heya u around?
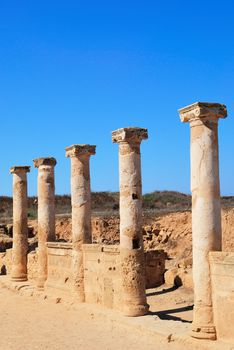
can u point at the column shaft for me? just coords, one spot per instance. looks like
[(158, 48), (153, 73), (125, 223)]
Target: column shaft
[(81, 218), (20, 224), (206, 216), (81, 211), (206, 209), (130, 196), (46, 213), (131, 239), (81, 201)]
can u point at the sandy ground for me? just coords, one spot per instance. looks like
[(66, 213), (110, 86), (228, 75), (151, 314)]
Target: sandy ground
[(31, 323), (171, 303)]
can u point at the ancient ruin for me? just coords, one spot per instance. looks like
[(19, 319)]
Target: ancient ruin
[(131, 241), (206, 209), (20, 217), (81, 211), (46, 213), (116, 276)]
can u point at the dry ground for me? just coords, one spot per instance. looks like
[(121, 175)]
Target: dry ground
[(31, 323), (171, 303)]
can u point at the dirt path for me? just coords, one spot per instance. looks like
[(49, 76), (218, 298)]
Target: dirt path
[(30, 323)]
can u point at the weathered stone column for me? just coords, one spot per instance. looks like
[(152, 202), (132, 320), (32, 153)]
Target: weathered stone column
[(81, 210), (131, 239), (46, 213), (20, 223), (206, 211)]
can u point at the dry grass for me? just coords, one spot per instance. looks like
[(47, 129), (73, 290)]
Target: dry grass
[(107, 204)]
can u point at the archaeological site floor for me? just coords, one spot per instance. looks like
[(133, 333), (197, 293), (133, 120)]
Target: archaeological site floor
[(32, 320)]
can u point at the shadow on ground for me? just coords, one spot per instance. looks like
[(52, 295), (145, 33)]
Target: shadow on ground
[(167, 314)]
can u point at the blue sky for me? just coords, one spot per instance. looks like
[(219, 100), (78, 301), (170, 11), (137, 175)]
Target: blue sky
[(73, 71)]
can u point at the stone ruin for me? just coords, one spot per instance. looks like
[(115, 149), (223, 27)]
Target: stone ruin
[(116, 276)]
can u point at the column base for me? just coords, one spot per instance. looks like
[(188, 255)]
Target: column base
[(40, 288), (133, 296), (77, 291), (40, 284), (78, 294), (78, 298), (19, 278), (135, 310), (203, 332)]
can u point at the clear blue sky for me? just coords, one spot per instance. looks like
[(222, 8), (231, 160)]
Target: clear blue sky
[(73, 71)]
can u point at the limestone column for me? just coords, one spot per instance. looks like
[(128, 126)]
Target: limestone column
[(81, 210), (131, 239), (46, 213), (206, 211), (20, 223)]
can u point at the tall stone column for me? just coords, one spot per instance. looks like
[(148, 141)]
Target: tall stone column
[(20, 223), (81, 210), (46, 213), (131, 239), (206, 210)]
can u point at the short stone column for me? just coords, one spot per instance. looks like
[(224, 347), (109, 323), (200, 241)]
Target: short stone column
[(131, 239), (206, 210), (20, 223), (46, 213), (81, 210)]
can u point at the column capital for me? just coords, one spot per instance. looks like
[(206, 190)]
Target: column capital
[(19, 169), (80, 150), (44, 161), (129, 135), (203, 111)]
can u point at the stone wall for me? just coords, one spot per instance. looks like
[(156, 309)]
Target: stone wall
[(222, 279), (5, 263), (155, 268), (101, 271), (59, 275), (102, 275)]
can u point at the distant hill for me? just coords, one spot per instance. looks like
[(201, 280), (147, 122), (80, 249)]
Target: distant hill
[(105, 203), (166, 199)]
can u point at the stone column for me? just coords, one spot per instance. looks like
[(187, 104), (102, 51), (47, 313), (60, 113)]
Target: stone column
[(46, 213), (20, 223), (206, 211), (131, 239), (81, 210)]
